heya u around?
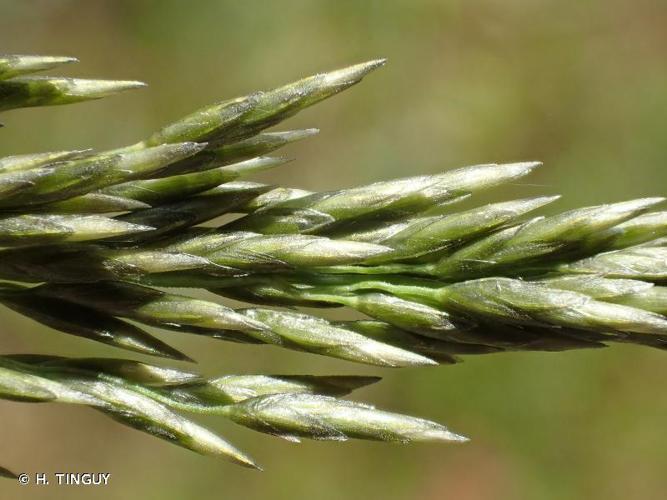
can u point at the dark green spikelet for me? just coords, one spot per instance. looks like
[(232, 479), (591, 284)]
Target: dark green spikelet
[(59, 182), (154, 307), (238, 119), (552, 238), (90, 203), (320, 212), (644, 228), (88, 323), (174, 188), (425, 235), (30, 91), (133, 372), (193, 210), (234, 152)]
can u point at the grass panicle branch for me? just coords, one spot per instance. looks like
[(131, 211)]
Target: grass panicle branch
[(91, 242)]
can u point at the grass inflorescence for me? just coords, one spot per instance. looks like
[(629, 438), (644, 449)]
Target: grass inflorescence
[(91, 243)]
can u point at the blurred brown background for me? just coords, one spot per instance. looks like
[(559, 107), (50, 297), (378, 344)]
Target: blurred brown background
[(581, 86)]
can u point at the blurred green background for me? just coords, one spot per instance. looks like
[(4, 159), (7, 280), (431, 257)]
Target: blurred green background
[(581, 86)]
